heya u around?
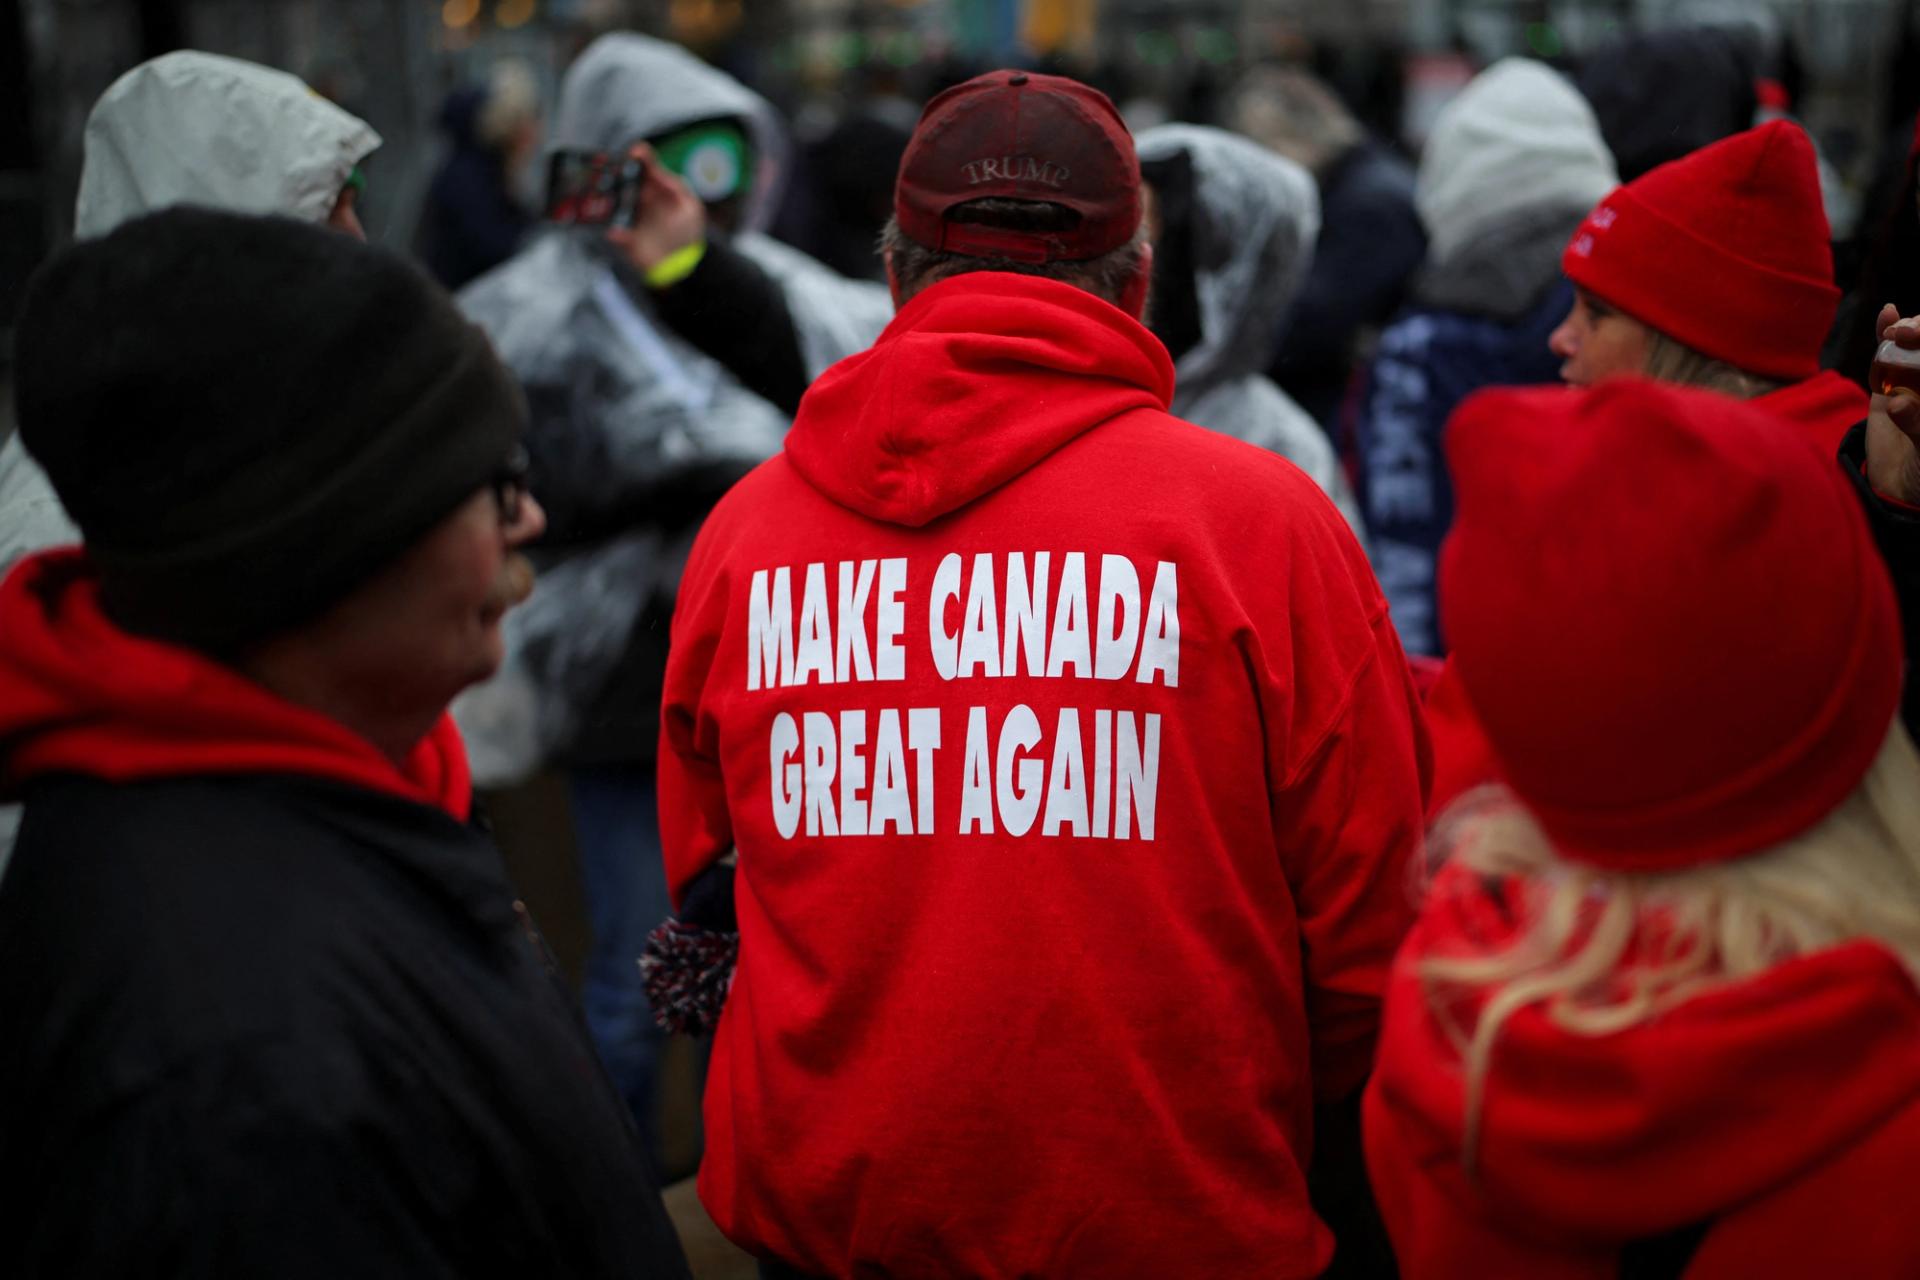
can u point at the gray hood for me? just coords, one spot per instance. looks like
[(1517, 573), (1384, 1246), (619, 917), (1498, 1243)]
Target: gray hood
[(196, 128), (1255, 217), (1512, 167), (626, 88), (620, 404)]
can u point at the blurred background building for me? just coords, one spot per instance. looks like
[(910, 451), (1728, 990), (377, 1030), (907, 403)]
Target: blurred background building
[(392, 61)]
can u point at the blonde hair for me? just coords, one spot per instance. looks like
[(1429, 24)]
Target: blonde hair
[(1856, 875), (1671, 360)]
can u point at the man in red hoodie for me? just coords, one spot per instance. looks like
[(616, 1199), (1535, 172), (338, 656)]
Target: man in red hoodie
[(271, 1007), (1071, 761)]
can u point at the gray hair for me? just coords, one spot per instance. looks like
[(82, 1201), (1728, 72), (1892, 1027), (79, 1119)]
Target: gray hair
[(915, 266)]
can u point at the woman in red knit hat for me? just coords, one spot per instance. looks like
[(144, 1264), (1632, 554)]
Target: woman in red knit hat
[(1714, 271), (1709, 271), (1659, 1015)]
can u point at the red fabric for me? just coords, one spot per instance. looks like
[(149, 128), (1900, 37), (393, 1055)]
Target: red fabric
[(1699, 664), (1425, 671), (1018, 135), (1060, 1054), (1725, 249), (78, 695), (1827, 405), (1785, 1109), (1462, 757)]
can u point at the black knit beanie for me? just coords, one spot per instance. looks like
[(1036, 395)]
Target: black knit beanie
[(247, 417)]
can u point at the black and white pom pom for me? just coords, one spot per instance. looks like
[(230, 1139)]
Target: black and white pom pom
[(688, 971)]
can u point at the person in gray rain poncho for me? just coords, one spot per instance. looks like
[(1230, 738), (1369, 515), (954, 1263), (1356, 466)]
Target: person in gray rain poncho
[(1233, 228), (1233, 239), (635, 433), (190, 128)]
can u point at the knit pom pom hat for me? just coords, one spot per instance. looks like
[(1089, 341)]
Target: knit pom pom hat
[(1668, 612), (1725, 250)]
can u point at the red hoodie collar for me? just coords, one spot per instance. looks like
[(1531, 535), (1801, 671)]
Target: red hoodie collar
[(977, 379), (1827, 404), (78, 695), (1700, 1108)]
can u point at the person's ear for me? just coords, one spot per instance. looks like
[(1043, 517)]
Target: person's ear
[(1133, 298)]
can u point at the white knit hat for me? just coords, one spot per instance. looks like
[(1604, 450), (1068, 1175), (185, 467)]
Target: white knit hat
[(1519, 137)]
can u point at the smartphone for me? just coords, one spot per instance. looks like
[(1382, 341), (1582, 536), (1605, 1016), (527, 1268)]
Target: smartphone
[(594, 189)]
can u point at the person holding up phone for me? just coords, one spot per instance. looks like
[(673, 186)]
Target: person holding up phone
[(663, 173)]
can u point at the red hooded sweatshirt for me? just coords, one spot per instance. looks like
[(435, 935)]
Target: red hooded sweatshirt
[(1775, 1120), (80, 696), (1074, 769)]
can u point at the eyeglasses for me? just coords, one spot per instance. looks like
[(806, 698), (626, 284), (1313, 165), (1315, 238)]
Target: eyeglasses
[(509, 485)]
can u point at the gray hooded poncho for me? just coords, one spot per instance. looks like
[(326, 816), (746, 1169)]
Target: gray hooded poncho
[(188, 128), (1255, 217), (625, 414)]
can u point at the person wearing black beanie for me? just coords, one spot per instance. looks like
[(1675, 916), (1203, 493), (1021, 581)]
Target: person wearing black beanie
[(274, 1008), (247, 416)]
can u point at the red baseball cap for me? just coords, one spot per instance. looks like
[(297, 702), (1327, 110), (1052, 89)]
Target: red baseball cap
[(1016, 135)]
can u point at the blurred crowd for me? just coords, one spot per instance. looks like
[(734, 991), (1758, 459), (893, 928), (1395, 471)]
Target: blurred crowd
[(1513, 868)]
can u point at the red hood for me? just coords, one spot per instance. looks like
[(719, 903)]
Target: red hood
[(977, 379), (1827, 404), (1627, 1136), (78, 695)]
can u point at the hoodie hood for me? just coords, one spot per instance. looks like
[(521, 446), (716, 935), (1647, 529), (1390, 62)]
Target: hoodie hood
[(627, 88), (78, 695), (1254, 218), (1251, 219), (195, 128), (1828, 405), (1514, 163), (978, 378), (1673, 1122)]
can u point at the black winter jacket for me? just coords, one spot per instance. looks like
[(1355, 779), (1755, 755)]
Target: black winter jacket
[(273, 1026), (1897, 531)]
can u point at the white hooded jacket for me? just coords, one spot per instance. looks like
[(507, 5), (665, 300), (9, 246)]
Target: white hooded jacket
[(1255, 218), (622, 407), (197, 128)]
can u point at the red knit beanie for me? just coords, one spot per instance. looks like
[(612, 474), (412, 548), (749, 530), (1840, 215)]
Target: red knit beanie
[(1724, 249), (1667, 610)]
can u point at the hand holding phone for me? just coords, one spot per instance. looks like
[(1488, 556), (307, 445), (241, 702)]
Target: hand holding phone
[(595, 189), (668, 216)]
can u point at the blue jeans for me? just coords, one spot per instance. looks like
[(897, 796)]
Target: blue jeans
[(616, 824)]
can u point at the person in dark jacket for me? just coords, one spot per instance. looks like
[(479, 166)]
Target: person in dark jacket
[(1371, 240), (1881, 457), (1513, 166), (473, 220), (1885, 262), (272, 1007), (1664, 93)]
